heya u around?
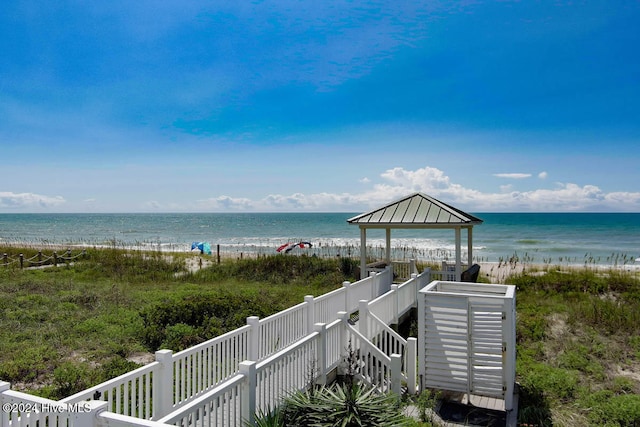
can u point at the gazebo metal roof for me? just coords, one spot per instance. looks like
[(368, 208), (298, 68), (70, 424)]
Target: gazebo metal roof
[(415, 211)]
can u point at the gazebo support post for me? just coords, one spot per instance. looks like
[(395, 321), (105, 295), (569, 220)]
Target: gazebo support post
[(388, 248), (458, 256), (363, 253), (469, 247)]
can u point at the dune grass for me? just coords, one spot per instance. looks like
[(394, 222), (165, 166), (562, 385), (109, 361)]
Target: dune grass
[(578, 337)]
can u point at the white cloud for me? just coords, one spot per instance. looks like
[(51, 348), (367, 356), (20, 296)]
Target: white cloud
[(226, 203), (543, 175), (364, 180), (512, 175), (398, 182), (21, 201)]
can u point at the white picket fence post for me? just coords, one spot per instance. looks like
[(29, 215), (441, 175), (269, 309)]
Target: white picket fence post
[(248, 369), (395, 303), (311, 312), (254, 337), (363, 318), (4, 415), (89, 414), (344, 337), (396, 374), (424, 278), (375, 284), (321, 328), (347, 294), (163, 384), (411, 359)]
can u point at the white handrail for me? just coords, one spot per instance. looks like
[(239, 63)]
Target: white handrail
[(127, 394), (286, 371), (327, 305), (204, 366), (407, 293), (372, 365), (221, 403), (282, 329), (383, 337)]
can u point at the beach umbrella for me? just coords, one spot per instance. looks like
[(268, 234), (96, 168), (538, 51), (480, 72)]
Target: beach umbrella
[(288, 247), (283, 247), (204, 247)]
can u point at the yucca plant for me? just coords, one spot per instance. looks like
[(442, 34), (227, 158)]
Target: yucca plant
[(358, 405), (300, 408), (272, 418), (344, 405)]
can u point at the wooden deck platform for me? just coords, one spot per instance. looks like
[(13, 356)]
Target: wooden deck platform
[(459, 409)]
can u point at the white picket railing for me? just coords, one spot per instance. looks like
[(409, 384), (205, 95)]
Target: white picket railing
[(204, 366), (326, 306), (379, 333), (221, 406), (403, 270), (24, 410), (362, 289), (128, 394), (202, 382), (385, 306), (371, 364), (281, 330), (389, 342), (406, 295)]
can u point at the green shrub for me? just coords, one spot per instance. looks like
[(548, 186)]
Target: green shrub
[(581, 358), (606, 314), (608, 409), (426, 402), (634, 343), (32, 362), (117, 366), (280, 269), (70, 378), (180, 336), (177, 323), (552, 384)]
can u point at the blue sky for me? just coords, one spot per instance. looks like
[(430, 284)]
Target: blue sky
[(141, 106)]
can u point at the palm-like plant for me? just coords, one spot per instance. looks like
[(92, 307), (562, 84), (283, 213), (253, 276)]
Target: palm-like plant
[(346, 405), (273, 418)]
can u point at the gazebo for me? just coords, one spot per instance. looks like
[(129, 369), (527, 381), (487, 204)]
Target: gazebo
[(412, 212)]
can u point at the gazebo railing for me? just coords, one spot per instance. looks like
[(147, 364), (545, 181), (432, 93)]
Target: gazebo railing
[(402, 270)]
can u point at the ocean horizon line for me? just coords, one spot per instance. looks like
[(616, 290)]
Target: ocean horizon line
[(299, 212)]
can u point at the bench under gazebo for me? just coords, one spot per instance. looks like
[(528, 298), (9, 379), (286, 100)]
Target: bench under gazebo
[(416, 211)]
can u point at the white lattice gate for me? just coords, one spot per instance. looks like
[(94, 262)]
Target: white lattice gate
[(468, 338)]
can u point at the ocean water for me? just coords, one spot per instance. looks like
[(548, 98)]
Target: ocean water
[(569, 238)]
